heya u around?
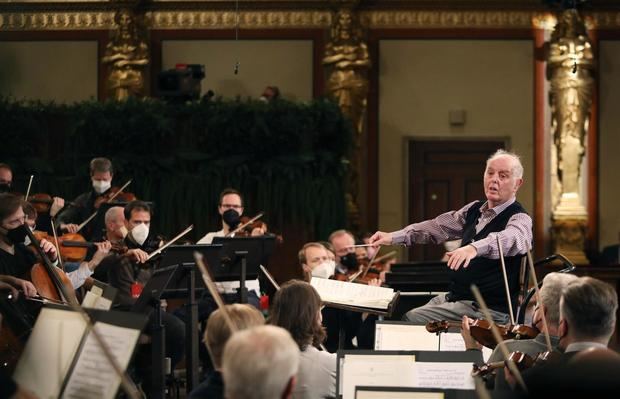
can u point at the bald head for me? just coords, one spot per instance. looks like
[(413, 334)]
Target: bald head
[(115, 223)]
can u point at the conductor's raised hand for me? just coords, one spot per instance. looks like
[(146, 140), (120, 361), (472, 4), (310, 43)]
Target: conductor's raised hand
[(461, 257), (381, 238)]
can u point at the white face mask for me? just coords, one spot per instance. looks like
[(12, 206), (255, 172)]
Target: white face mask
[(101, 186), (139, 233), (325, 269)]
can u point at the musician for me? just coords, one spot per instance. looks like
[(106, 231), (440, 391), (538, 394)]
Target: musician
[(15, 259), (343, 243), (6, 178), (297, 308), (315, 262), (77, 272), (260, 363), (230, 209), (477, 260), (101, 174), (8, 387), (587, 320), (548, 304), (115, 233), (215, 338)]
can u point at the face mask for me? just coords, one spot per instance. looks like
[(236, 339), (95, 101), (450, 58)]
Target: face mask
[(101, 186), (5, 188), (231, 218), (17, 235), (324, 270), (349, 260), (139, 233)]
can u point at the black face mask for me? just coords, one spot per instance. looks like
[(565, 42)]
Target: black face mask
[(5, 187), (17, 235), (231, 218), (349, 260)]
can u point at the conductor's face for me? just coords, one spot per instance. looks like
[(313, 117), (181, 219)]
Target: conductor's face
[(500, 184)]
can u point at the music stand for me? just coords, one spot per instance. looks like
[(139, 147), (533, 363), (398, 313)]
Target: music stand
[(147, 303), (241, 258)]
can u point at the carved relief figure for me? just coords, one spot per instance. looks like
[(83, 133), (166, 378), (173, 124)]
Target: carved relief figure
[(570, 71), (126, 55)]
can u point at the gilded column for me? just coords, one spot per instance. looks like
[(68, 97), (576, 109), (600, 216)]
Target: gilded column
[(570, 70)]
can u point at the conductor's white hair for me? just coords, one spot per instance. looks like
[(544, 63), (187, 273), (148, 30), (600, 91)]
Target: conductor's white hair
[(517, 167), (259, 363), (113, 214)]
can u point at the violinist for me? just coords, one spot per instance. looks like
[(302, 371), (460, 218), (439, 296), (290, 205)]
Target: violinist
[(6, 178), (315, 261), (130, 272), (343, 243), (478, 224), (230, 209), (587, 320), (115, 233), (548, 305), (101, 174)]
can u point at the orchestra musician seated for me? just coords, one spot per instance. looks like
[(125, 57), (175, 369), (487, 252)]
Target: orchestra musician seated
[(297, 308), (216, 335), (260, 363)]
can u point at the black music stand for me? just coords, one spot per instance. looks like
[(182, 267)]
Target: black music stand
[(185, 284), (241, 258), (147, 303)]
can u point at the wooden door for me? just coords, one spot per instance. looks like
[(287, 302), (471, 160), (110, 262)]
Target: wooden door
[(444, 175)]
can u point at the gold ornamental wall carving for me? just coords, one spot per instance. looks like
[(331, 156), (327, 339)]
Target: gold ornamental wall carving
[(79, 19)]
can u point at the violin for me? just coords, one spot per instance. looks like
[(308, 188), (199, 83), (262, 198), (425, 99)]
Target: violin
[(69, 253), (118, 247), (115, 194), (480, 330), (253, 227), (43, 202), (522, 360)]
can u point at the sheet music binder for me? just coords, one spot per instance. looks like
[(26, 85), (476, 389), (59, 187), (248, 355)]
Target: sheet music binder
[(258, 251), (153, 290)]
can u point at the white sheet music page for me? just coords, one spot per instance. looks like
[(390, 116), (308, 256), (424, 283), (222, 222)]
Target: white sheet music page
[(354, 294), (444, 375), (398, 395), (93, 376), (48, 354), (376, 370), (404, 337)]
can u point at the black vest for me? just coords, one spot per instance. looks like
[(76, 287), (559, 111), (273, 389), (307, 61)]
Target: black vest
[(484, 272)]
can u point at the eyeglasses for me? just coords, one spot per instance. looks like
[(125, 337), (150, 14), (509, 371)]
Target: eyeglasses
[(229, 206)]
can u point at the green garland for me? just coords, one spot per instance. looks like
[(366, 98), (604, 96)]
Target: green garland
[(285, 157)]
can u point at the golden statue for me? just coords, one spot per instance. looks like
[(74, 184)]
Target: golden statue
[(347, 61), (347, 57), (570, 70), (127, 55)]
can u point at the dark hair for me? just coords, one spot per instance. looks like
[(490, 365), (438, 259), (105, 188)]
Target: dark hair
[(101, 165), (29, 210), (589, 306), (136, 205), (295, 308), (228, 191), (9, 204)]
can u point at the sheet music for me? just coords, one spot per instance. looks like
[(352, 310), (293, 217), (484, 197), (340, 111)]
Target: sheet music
[(50, 350), (454, 342), (444, 375), (375, 370), (93, 301), (92, 376), (352, 294), (398, 395), (404, 337)]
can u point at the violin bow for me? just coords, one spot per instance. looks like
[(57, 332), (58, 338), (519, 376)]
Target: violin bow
[(269, 277), (498, 338), (542, 307), (62, 265), (28, 190), (169, 243), (249, 222), (91, 217), (198, 257), (383, 257), (501, 258)]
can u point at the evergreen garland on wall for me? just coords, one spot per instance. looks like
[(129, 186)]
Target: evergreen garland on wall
[(285, 157)]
